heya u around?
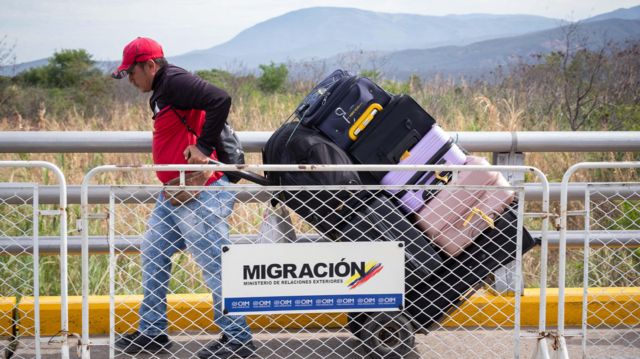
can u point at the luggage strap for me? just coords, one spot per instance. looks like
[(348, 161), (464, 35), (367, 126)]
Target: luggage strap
[(442, 178), (477, 211), (435, 159)]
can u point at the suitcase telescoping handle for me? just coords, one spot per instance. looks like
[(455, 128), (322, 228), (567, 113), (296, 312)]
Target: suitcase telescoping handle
[(248, 175), (364, 120)]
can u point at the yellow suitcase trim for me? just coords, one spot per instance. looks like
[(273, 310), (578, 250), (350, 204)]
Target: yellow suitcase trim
[(364, 120)]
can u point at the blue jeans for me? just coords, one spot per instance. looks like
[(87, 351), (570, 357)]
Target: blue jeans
[(200, 226)]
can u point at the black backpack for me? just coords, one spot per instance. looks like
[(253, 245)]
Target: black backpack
[(296, 144)]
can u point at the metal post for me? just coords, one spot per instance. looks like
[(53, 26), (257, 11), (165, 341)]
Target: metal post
[(36, 271), (518, 282), (112, 266), (561, 351), (542, 347), (504, 280), (84, 199), (64, 285), (585, 269)]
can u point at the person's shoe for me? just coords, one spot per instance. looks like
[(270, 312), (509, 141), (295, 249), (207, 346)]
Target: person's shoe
[(137, 342), (222, 349)]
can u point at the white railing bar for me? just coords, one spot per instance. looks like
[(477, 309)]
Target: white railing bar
[(253, 141), (99, 244), (99, 194)]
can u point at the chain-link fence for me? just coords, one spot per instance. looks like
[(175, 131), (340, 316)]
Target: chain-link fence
[(610, 265), (164, 271), (24, 274)]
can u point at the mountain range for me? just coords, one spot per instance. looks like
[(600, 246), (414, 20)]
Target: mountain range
[(481, 57), (323, 32), (399, 44)]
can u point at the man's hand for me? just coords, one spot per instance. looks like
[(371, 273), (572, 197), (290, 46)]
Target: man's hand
[(194, 156)]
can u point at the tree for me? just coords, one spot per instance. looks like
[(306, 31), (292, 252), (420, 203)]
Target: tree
[(71, 67), (70, 80), (569, 82), (273, 77), (580, 72), (219, 78), (67, 68)]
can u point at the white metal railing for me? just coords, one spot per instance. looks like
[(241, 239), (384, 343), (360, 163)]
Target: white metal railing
[(123, 217), (17, 219), (595, 237), (100, 194), (253, 141), (615, 262)]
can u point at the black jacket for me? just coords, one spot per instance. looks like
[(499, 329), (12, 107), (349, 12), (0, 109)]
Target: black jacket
[(174, 86)]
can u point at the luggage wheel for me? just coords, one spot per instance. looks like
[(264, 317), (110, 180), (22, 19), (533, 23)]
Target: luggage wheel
[(388, 336)]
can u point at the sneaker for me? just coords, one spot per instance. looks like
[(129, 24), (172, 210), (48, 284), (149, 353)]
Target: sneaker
[(222, 349), (137, 342)]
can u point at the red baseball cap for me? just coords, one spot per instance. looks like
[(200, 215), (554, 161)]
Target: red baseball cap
[(139, 50)]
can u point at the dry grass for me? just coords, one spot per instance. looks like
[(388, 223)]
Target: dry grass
[(457, 106)]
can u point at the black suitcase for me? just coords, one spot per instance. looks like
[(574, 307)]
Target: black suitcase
[(400, 125), (427, 300), (341, 106), (341, 215), (379, 219)]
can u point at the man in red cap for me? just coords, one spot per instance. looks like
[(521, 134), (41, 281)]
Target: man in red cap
[(189, 114)]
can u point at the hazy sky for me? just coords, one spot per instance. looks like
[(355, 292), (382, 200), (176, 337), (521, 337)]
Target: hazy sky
[(103, 27)]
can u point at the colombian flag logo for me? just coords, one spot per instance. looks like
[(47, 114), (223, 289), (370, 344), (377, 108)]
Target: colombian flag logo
[(371, 269)]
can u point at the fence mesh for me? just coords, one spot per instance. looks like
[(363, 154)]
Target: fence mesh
[(450, 309), (613, 271), (17, 233)]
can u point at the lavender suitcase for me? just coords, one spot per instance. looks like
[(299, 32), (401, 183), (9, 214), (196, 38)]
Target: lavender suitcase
[(436, 147), (455, 217)]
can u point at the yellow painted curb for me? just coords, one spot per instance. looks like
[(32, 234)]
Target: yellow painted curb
[(185, 312), (6, 315), (612, 306)]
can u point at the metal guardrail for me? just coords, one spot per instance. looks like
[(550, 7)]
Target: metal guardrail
[(253, 141), (131, 244), (602, 267), (99, 194), (126, 142), (123, 220)]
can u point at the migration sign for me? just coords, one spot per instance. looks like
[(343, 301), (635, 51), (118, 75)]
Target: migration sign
[(312, 277)]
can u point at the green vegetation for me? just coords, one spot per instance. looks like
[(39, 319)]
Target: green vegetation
[(69, 82), (273, 77), (66, 69), (584, 90)]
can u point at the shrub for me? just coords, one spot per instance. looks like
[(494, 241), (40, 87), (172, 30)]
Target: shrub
[(273, 77), (70, 81), (219, 78), (67, 68)]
